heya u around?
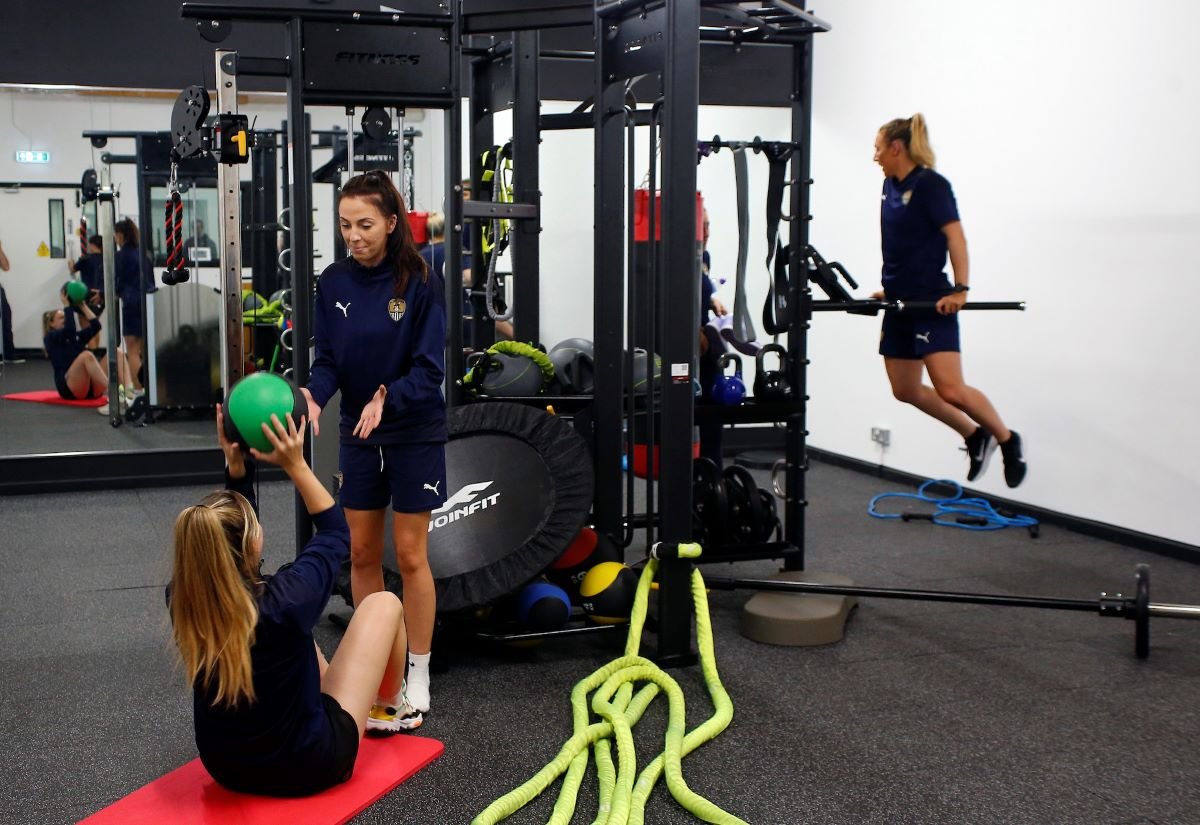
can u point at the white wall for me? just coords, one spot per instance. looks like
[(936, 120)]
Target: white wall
[(1068, 136)]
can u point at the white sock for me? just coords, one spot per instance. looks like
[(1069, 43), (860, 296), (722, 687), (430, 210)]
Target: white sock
[(418, 681)]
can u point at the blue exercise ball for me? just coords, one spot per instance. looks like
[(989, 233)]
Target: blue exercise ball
[(542, 606)]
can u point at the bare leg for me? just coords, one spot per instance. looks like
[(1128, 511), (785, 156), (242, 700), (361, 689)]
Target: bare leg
[(905, 375), (84, 377), (369, 662), (366, 552), (411, 534), (133, 351), (945, 370)]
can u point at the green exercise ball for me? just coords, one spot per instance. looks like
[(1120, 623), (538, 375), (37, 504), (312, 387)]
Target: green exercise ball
[(252, 401), (76, 291)]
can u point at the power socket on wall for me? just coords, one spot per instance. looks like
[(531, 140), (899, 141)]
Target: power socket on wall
[(881, 436)]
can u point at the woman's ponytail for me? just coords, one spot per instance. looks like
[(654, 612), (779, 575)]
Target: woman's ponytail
[(911, 132)]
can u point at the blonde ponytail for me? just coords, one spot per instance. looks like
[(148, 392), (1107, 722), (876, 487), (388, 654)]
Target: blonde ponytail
[(913, 133), (213, 611)]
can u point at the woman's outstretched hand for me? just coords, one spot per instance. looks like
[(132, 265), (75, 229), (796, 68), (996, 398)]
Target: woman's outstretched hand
[(287, 443)]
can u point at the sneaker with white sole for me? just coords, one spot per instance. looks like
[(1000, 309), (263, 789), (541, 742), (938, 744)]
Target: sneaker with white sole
[(979, 448), (389, 719)]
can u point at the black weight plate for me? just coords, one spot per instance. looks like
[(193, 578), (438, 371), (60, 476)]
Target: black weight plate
[(1141, 614)]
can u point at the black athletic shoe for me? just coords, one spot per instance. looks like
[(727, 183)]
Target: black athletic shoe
[(1014, 462), (979, 448)]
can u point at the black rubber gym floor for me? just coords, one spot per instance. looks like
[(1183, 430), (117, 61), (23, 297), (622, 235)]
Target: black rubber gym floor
[(925, 713), (32, 429)]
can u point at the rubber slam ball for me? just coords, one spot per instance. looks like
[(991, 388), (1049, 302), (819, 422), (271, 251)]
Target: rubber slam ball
[(542, 606), (76, 291), (585, 551), (607, 592), (252, 401)]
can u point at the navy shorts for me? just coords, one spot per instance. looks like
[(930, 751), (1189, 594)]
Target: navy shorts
[(328, 763), (914, 335), (131, 317), (413, 476)]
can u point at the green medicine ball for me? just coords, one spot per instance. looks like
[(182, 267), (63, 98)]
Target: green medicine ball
[(252, 401), (76, 291)]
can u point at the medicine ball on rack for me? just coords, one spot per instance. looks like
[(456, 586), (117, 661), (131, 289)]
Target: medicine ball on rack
[(587, 550), (772, 385), (542, 606), (607, 592), (574, 366)]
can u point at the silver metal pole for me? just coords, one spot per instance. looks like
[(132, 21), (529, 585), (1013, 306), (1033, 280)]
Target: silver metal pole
[(402, 184), (350, 141), (106, 216), (229, 184), (1175, 611)]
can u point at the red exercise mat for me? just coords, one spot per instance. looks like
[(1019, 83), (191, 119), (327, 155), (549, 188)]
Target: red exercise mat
[(189, 796), (52, 397)]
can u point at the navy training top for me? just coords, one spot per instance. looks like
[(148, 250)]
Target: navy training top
[(132, 276), (435, 256), (287, 720), (365, 336), (91, 271), (64, 345), (912, 215)]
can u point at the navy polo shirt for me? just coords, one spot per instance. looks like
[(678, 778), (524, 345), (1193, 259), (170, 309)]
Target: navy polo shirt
[(912, 215)]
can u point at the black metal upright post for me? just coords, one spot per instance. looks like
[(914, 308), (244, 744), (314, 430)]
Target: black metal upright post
[(797, 336), (452, 148), (482, 333), (525, 233), (681, 92), (609, 306), (300, 137)]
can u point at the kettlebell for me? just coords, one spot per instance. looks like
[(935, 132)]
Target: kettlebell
[(729, 389), (772, 385)]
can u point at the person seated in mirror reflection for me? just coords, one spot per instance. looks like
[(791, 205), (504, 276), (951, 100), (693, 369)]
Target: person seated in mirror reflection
[(77, 373), (200, 248), (712, 347)]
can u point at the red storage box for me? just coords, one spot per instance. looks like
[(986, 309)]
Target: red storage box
[(641, 216)]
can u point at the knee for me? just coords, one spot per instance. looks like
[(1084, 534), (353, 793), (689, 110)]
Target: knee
[(383, 603), (366, 553), (908, 395), (954, 395), (411, 560)]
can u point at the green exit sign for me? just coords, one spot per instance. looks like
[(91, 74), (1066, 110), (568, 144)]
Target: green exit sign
[(33, 156)]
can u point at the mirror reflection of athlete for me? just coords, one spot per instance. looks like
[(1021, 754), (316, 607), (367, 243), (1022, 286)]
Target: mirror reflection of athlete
[(920, 225)]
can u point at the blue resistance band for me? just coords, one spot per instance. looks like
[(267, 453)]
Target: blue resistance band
[(953, 510)]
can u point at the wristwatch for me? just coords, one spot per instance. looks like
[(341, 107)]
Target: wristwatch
[(961, 288)]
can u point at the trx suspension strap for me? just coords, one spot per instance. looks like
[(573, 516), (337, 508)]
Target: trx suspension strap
[(777, 312), (743, 324), (496, 178)]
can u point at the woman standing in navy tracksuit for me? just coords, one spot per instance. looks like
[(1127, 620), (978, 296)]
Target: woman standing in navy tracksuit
[(920, 226), (271, 715), (379, 329), (132, 282)]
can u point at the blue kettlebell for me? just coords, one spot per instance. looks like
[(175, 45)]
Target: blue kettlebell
[(729, 389)]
